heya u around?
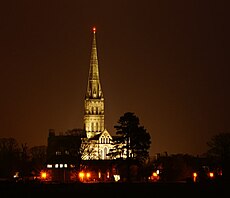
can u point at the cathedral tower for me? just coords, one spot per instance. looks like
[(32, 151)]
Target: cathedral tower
[(94, 100)]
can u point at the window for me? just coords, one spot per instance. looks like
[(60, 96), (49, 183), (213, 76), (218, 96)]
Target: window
[(102, 139), (49, 166), (96, 110)]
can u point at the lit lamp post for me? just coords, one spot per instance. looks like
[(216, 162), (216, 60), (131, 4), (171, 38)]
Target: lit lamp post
[(81, 176), (194, 177)]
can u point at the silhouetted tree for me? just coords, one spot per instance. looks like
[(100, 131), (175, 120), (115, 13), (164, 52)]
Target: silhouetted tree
[(220, 150), (176, 167), (9, 157), (147, 169), (24, 167), (38, 158), (134, 138), (132, 141)]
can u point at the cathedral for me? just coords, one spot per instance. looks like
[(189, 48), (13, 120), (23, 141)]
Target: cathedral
[(97, 144), (86, 149)]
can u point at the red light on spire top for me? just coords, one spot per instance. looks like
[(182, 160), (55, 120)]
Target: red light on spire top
[(94, 29)]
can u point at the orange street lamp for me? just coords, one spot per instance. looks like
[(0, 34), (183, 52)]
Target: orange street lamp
[(194, 176)]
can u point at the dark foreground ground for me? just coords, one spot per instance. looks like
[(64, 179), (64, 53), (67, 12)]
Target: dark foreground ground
[(114, 190)]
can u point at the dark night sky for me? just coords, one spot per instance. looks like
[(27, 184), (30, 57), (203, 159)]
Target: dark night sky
[(166, 61)]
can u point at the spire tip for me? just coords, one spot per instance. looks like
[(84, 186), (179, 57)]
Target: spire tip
[(94, 29)]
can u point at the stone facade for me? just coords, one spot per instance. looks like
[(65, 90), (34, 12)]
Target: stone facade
[(98, 138)]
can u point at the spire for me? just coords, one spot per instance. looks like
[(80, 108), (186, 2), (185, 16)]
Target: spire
[(94, 87), (94, 100)]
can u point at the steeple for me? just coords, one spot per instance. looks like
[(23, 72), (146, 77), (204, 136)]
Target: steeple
[(94, 100), (94, 87)]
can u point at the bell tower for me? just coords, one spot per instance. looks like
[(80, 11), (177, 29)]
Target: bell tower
[(94, 100)]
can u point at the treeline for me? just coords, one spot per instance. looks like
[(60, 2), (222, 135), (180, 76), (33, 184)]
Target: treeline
[(15, 158), (27, 161)]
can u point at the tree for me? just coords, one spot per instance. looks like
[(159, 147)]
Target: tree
[(9, 157), (220, 150), (24, 166), (135, 139), (132, 141), (176, 167), (38, 158)]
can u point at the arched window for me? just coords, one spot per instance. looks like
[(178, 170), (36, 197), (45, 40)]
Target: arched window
[(96, 110), (102, 139), (92, 126)]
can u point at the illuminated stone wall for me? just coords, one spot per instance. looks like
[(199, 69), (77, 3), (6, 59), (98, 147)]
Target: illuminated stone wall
[(94, 117)]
